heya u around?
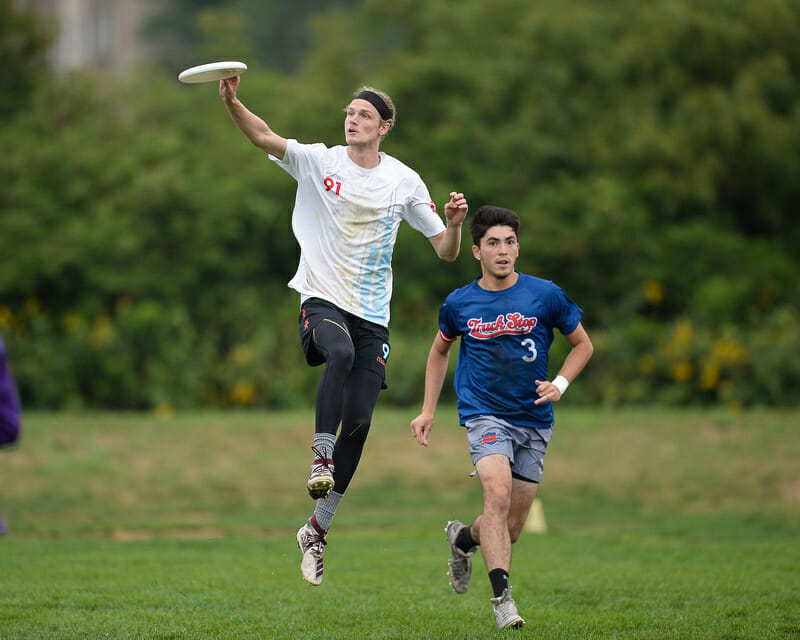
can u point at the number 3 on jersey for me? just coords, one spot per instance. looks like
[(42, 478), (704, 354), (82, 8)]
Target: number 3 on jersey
[(331, 184), (530, 345)]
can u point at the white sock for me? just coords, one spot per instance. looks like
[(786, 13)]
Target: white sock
[(326, 509), (324, 442)]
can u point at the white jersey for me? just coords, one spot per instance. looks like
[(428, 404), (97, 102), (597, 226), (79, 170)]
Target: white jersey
[(346, 219)]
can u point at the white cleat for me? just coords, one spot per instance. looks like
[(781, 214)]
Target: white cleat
[(312, 544), (505, 611)]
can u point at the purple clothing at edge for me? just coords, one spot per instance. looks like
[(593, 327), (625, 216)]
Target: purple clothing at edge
[(9, 402)]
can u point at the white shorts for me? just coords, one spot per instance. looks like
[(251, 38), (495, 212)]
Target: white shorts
[(523, 446)]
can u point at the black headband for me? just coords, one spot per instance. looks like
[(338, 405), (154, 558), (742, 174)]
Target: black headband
[(376, 101)]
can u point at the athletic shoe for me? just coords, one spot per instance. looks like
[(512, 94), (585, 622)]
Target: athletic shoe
[(460, 562), (311, 540), (505, 611), (320, 482)]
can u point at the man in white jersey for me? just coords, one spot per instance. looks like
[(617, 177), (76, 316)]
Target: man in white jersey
[(505, 320), (348, 208)]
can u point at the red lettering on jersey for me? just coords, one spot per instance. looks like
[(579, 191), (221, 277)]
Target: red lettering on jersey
[(509, 324)]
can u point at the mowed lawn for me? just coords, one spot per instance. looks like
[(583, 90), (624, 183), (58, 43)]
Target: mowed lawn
[(660, 524)]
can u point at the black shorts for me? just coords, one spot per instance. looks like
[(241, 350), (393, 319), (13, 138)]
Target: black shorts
[(370, 340)]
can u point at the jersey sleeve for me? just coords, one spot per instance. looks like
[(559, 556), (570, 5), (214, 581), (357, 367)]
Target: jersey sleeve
[(421, 211), (301, 160), (448, 321), (565, 314)]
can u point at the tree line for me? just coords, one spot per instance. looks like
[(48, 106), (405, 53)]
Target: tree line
[(650, 150)]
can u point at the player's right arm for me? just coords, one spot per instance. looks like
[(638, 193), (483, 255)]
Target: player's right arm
[(249, 123), (435, 372)]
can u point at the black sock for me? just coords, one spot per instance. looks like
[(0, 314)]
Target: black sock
[(499, 580), (464, 539)]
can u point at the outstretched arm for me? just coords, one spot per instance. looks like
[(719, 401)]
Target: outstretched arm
[(574, 363), (435, 372), (448, 243), (250, 124)]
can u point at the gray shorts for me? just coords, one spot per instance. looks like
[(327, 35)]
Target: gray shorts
[(523, 446)]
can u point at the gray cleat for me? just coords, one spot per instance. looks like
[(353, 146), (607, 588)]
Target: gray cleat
[(460, 563)]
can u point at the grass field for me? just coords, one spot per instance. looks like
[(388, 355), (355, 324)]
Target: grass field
[(661, 524)]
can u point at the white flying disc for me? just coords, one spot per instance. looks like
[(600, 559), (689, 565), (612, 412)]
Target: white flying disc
[(212, 71)]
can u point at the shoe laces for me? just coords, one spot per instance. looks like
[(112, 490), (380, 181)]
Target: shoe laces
[(313, 540), (316, 541), (321, 459)]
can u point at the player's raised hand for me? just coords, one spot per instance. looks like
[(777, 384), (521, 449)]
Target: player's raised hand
[(420, 428), (456, 210), (228, 87)]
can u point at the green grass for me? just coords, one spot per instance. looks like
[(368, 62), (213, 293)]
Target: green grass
[(660, 525)]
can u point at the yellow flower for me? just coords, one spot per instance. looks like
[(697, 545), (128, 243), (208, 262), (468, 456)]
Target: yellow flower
[(124, 304), (729, 351), (684, 332), (653, 292), (682, 371), (72, 322), (241, 355), (243, 393), (164, 410), (5, 317), (647, 364), (102, 332), (33, 306), (709, 378)]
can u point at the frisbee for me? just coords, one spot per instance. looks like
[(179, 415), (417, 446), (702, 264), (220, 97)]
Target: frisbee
[(212, 71)]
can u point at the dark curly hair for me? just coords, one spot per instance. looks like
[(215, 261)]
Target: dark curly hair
[(489, 216)]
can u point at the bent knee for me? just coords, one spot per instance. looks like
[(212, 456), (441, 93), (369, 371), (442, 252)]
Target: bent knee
[(340, 356)]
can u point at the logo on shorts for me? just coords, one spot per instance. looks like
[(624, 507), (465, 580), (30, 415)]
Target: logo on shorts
[(489, 438), (382, 360)]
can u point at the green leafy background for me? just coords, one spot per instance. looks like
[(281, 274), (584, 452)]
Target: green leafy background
[(651, 150)]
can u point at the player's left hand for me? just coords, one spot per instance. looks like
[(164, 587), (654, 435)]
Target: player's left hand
[(547, 391), (456, 210)]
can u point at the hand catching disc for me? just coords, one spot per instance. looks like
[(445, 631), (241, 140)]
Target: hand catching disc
[(213, 71)]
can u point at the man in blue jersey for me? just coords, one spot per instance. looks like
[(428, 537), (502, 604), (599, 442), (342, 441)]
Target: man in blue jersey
[(505, 320), (350, 202)]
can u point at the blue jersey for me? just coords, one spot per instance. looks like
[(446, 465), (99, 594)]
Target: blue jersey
[(505, 340)]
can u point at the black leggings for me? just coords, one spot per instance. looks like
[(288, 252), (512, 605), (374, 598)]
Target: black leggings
[(345, 395)]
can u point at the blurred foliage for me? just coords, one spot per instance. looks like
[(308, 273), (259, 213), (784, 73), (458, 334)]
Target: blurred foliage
[(273, 34), (651, 151), (23, 41)]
